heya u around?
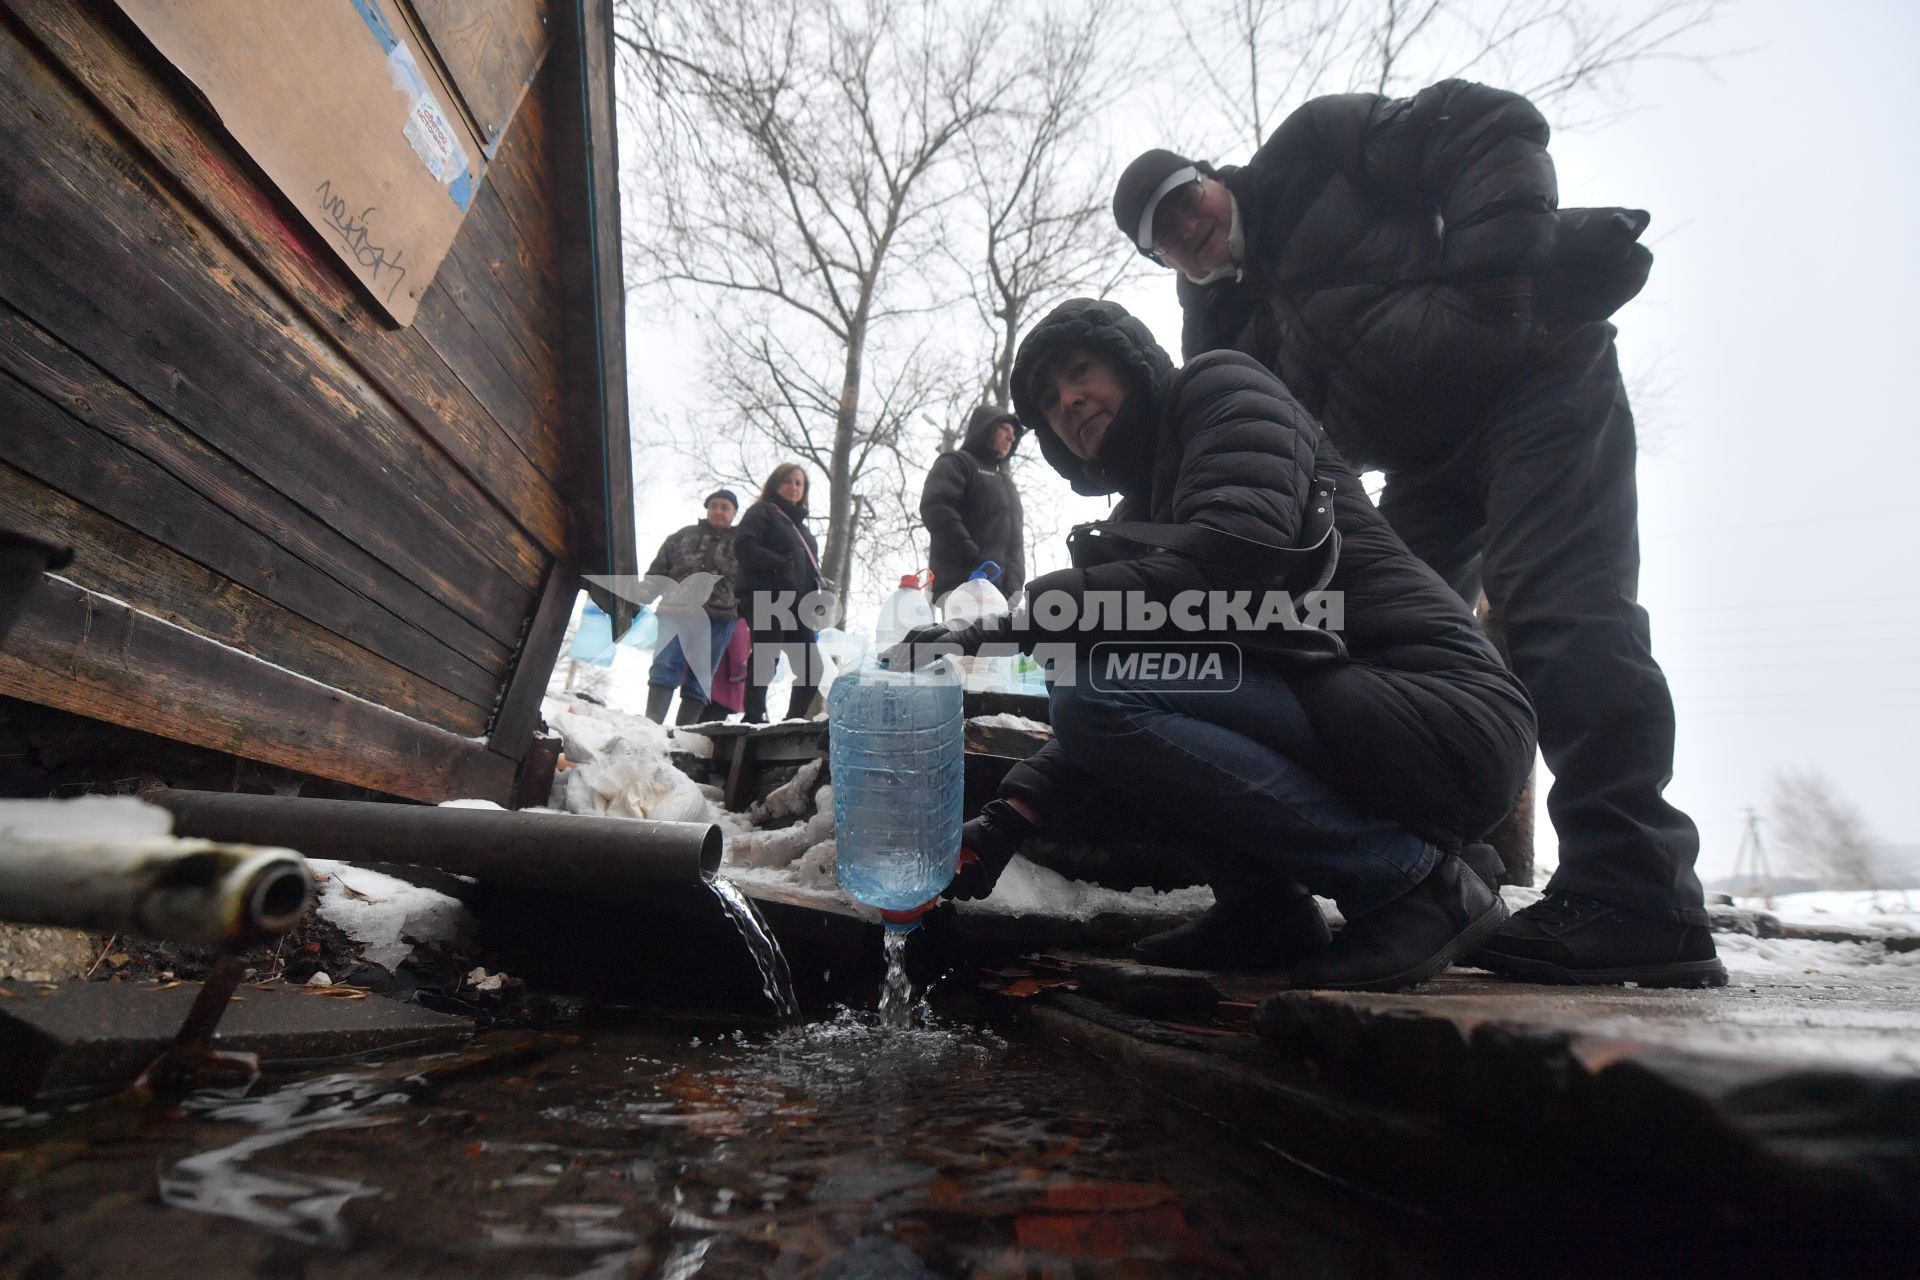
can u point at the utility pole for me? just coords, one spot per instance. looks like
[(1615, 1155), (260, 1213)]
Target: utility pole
[(1752, 858)]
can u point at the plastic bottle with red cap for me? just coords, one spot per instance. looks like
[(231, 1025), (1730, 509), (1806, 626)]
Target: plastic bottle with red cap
[(895, 747)]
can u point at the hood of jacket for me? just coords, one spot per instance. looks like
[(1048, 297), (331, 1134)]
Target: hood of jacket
[(1108, 328), (980, 425)]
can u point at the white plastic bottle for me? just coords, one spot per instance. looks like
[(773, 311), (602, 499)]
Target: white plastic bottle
[(904, 610), (978, 600)]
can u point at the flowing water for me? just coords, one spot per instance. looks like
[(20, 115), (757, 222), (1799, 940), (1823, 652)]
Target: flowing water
[(896, 993), (775, 980)]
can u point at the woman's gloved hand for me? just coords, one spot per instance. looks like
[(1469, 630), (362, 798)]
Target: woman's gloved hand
[(987, 844), (924, 644)]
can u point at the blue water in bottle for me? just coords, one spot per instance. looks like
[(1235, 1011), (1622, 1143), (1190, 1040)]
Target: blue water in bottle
[(895, 746)]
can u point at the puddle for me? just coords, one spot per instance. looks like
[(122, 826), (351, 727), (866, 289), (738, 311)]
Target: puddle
[(835, 1149), (301, 1207)]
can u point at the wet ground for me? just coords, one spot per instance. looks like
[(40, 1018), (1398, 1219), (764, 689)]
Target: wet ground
[(832, 1149)]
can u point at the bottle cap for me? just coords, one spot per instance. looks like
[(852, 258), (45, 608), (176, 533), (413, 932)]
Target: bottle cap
[(915, 581), (903, 921)]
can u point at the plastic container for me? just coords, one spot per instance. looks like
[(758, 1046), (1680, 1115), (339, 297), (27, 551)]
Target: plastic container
[(593, 642), (895, 742), (976, 598), (904, 610)]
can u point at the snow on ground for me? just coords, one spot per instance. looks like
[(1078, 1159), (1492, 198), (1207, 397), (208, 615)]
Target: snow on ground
[(1008, 720), (83, 820), (387, 916)]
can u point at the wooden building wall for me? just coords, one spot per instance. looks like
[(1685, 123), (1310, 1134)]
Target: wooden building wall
[(377, 527)]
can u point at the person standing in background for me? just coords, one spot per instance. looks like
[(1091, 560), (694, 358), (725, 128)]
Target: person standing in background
[(779, 567), (706, 546), (971, 507)]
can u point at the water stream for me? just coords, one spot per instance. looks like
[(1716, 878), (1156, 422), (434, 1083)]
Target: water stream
[(775, 980), (896, 995)]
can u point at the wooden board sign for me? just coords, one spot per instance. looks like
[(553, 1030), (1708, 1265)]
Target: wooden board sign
[(348, 116)]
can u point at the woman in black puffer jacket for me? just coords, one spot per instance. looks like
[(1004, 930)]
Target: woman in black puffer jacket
[(779, 567), (1355, 763)]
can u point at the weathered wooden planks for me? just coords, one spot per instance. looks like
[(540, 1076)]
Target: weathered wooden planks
[(224, 357), (512, 731), (490, 51), (107, 59), (302, 563), (95, 656), (586, 179), (122, 562)]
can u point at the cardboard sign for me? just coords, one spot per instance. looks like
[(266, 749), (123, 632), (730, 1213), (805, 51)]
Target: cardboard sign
[(335, 101)]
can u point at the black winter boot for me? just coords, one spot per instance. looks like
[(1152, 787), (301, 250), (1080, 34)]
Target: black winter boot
[(1485, 861), (1412, 938), (1567, 938), (1264, 931), (698, 711), (658, 700)]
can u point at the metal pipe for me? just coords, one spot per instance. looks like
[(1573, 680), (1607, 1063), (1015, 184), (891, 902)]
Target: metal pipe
[(191, 891), (561, 852)]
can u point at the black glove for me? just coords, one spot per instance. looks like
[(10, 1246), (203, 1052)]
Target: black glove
[(924, 644), (987, 844)]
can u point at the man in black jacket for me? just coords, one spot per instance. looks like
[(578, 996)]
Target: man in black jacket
[(1357, 763), (972, 509), (1402, 266)]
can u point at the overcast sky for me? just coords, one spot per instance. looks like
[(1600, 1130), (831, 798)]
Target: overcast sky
[(1772, 348)]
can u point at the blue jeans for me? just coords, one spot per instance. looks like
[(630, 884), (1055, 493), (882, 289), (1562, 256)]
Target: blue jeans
[(670, 665), (1246, 772)]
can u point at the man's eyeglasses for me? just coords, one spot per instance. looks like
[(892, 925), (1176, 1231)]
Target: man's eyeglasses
[(1174, 208)]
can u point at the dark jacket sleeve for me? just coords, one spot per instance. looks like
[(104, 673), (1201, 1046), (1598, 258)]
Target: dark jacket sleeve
[(1479, 155), (760, 552), (663, 558), (947, 537), (1476, 155), (1246, 465), (1014, 573)]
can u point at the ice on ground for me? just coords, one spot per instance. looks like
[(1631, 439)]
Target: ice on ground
[(83, 820), (1026, 888), (472, 804), (621, 766), (387, 916), (792, 798)]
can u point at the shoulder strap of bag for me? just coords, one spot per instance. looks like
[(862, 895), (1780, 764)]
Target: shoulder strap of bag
[(1305, 567)]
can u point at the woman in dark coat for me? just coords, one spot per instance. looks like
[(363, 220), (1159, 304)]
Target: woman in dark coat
[(779, 568), (1355, 762)]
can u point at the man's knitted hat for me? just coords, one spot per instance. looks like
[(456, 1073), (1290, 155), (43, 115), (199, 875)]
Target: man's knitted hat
[(1141, 187)]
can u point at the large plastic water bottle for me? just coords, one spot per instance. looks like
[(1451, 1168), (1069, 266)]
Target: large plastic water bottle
[(895, 742), (904, 610)]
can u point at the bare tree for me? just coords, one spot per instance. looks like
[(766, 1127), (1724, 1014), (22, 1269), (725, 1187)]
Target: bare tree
[(1255, 59), (797, 197), (1037, 190), (1823, 834)]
